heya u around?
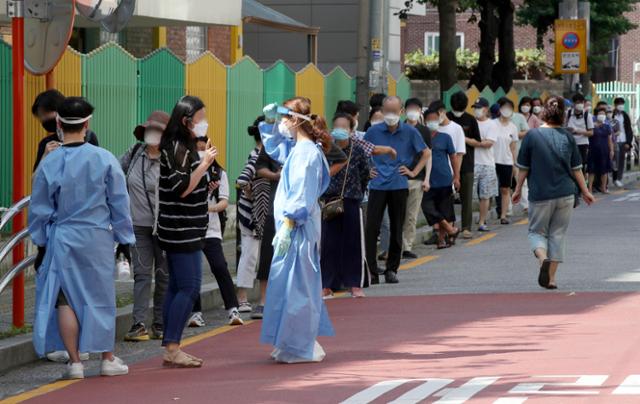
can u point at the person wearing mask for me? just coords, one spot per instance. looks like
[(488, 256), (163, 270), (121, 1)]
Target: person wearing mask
[(294, 313), (580, 123), (624, 140), (264, 189), (75, 290), (376, 117), (45, 108), (549, 158), (485, 178), (600, 151), (504, 151), (437, 202), (351, 108), (249, 240), (459, 103), (218, 201), (183, 219), (526, 109), (536, 106), (413, 110), (342, 254), (389, 189), (375, 103), (141, 164)]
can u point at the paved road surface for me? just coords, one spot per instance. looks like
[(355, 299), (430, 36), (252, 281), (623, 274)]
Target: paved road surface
[(467, 324)]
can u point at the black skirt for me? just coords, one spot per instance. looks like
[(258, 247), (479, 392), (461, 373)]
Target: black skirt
[(437, 205)]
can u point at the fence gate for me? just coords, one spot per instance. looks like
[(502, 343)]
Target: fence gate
[(630, 92)]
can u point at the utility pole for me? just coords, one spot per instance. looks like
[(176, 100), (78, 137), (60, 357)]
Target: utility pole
[(377, 57), (362, 58), (573, 10)]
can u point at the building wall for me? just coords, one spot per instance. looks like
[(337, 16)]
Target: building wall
[(138, 41), (630, 50), (219, 42)]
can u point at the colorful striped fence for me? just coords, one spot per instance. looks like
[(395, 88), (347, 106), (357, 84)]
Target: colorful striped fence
[(124, 90)]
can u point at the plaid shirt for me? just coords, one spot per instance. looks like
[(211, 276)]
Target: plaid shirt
[(367, 147)]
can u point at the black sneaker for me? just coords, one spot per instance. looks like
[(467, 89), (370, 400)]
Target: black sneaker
[(258, 312), (409, 255), (375, 279), (157, 331), (433, 240), (391, 277), (138, 332), (383, 256)]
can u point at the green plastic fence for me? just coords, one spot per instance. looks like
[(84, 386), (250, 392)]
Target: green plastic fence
[(160, 82), (337, 87), (447, 95), (279, 83), (488, 94), (403, 88), (6, 126)]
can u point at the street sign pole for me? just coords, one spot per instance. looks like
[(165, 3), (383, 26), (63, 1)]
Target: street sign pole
[(16, 12)]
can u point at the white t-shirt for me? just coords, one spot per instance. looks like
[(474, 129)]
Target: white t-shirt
[(579, 124), (484, 155), (457, 135), (214, 230), (506, 135), (622, 135)]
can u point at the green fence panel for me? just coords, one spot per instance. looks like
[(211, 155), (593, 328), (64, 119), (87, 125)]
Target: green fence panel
[(403, 88), (488, 94), (6, 126), (499, 94), (110, 84), (279, 83), (245, 99), (337, 87), (447, 95), (523, 93), (160, 82), (535, 94)]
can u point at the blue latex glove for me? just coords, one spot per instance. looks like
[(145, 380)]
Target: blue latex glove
[(270, 112), (282, 239)]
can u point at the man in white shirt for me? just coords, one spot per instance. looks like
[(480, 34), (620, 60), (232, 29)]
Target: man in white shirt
[(504, 152), (624, 140), (485, 178), (580, 123)]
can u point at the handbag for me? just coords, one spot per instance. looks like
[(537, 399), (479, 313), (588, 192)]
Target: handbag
[(567, 168), (334, 207)]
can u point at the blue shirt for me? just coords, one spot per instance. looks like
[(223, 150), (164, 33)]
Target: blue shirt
[(441, 147), (407, 142)]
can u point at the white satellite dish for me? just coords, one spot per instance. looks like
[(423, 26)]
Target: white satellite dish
[(97, 10), (48, 25), (118, 20)]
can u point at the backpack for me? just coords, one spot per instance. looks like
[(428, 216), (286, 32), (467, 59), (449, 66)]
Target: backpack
[(585, 115)]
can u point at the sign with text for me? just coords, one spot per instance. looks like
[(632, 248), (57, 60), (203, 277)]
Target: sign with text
[(571, 46)]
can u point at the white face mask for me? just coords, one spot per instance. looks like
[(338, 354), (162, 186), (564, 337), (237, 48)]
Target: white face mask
[(506, 112), (60, 134), (201, 154), (525, 109), (413, 115), (602, 117), (391, 119), (433, 125), (458, 114), (478, 112), (200, 129), (441, 117), (537, 109), (356, 125), (579, 107), (620, 107), (375, 122), (152, 137), (284, 130)]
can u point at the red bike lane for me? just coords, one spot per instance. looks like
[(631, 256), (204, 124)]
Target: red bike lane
[(480, 348)]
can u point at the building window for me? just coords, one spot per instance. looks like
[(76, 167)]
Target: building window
[(196, 42), (432, 42), (106, 37)]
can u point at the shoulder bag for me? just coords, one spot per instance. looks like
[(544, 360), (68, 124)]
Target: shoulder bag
[(334, 207)]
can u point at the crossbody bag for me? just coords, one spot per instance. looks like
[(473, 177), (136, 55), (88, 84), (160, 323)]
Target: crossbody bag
[(334, 207)]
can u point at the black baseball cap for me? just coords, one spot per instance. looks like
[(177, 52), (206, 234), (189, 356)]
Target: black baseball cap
[(481, 103)]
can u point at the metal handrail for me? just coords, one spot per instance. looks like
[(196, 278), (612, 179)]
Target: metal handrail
[(14, 210), (22, 265)]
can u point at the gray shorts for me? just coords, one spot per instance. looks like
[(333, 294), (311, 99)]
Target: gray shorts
[(485, 181), (548, 223)]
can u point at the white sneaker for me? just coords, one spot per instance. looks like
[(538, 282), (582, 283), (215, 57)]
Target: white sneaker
[(619, 184), (234, 317), (245, 307), (63, 356), (196, 320), (75, 371), (116, 367)]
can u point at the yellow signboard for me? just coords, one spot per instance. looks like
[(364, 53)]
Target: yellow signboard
[(571, 46)]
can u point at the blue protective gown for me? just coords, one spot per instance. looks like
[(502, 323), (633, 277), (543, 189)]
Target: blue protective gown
[(79, 208), (294, 312)]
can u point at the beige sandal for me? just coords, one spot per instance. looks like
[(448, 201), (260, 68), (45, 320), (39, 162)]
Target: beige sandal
[(181, 359)]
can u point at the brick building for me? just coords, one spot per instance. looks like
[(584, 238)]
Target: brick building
[(421, 31)]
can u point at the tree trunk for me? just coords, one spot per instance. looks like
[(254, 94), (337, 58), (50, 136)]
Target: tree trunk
[(447, 51), (504, 70), (488, 28)]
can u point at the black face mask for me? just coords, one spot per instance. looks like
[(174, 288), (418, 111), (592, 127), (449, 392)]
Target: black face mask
[(50, 125)]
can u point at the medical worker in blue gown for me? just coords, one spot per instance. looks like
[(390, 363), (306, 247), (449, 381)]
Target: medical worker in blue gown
[(79, 209), (294, 313)]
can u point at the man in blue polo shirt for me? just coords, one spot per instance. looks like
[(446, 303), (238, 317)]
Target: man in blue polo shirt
[(390, 188)]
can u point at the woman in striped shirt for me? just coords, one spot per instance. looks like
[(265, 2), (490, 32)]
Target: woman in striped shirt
[(183, 219)]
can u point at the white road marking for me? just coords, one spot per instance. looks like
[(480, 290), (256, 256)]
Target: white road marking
[(631, 276), (630, 386), (375, 391), (632, 197), (466, 391), (510, 400), (582, 381), (421, 392)]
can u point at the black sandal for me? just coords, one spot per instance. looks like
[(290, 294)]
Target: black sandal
[(550, 286), (453, 237), (543, 276), (443, 245)]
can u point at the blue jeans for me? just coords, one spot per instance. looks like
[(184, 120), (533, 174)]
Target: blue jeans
[(185, 277), (548, 223)]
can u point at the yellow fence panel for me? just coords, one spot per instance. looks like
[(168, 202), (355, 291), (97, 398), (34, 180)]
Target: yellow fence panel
[(392, 85), (514, 97), (472, 94), (206, 78), (310, 84), (68, 73), (33, 131)]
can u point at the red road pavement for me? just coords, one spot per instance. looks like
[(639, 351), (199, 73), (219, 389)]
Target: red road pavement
[(507, 339)]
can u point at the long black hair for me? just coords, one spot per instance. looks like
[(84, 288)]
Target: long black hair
[(176, 130)]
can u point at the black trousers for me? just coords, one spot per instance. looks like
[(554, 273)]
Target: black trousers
[(396, 202), (215, 256), (584, 155), (266, 248)]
